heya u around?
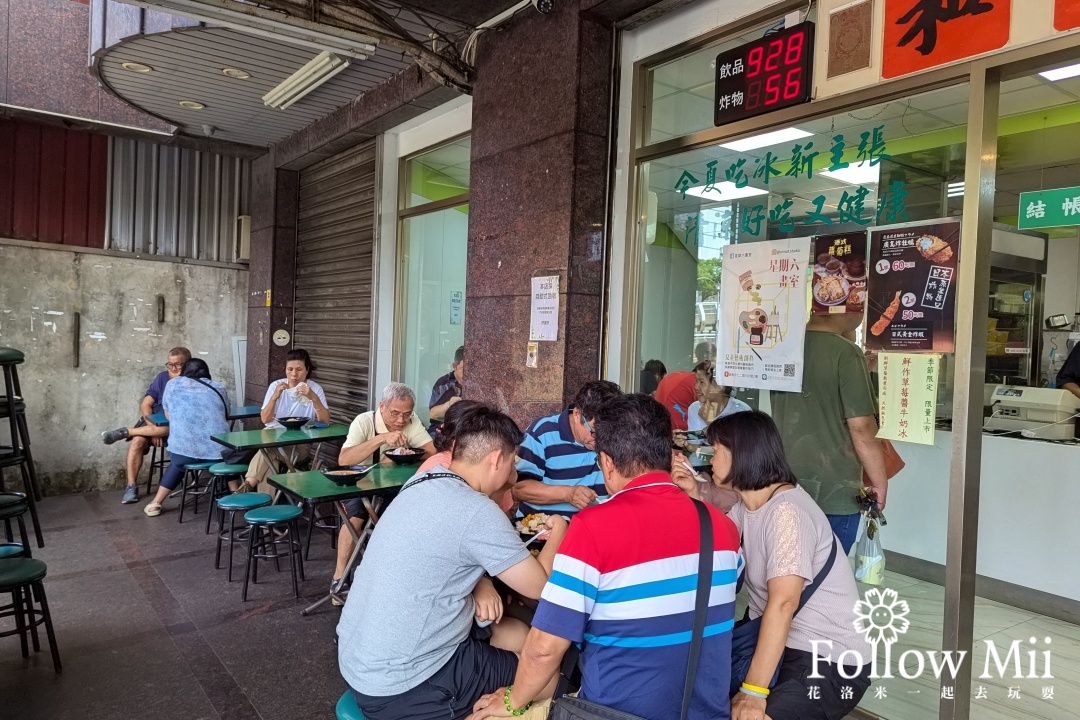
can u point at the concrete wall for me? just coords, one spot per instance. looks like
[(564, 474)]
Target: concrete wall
[(121, 346)]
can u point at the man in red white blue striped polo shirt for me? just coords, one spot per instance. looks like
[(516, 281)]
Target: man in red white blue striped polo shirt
[(624, 585)]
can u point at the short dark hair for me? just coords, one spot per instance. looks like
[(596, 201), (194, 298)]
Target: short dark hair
[(444, 434), (757, 452), (482, 429), (635, 432), (303, 355), (708, 368), (459, 355), (594, 395), (657, 367), (196, 369), (180, 351)]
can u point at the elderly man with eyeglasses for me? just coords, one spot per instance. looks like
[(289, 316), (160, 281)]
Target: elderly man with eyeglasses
[(558, 472), (371, 436), (145, 433)]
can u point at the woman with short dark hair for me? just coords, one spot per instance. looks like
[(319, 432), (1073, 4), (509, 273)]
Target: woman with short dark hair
[(787, 543), (197, 407), (295, 395)]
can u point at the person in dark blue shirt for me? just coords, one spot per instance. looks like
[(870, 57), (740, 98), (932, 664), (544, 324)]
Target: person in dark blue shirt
[(1068, 378), (447, 390), (144, 433)]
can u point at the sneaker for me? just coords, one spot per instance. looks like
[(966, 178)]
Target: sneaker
[(131, 495), (112, 436), (339, 591)]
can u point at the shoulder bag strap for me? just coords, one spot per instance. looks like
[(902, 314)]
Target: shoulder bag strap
[(809, 590), (701, 604)]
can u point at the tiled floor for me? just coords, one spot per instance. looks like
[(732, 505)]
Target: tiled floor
[(918, 699), (148, 629)]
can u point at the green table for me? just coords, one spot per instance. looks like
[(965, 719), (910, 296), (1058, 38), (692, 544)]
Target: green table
[(374, 489), (239, 412), (269, 439)]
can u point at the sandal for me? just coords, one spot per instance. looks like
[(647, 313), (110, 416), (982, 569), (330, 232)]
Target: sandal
[(152, 509)]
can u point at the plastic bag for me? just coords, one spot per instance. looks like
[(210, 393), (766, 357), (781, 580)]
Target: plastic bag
[(869, 555)]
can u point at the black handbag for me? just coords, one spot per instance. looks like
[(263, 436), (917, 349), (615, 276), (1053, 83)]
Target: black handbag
[(744, 636), (571, 708)]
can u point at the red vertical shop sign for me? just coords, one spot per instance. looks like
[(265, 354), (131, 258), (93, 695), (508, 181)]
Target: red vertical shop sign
[(921, 34), (1066, 14)]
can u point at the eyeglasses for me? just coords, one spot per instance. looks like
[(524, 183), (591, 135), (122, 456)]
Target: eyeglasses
[(398, 415), (175, 366), (588, 427)]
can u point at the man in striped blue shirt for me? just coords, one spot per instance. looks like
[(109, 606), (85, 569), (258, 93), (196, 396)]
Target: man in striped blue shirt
[(624, 586), (557, 470)]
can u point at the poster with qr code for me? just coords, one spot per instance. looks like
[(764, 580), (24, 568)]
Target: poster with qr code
[(764, 303)]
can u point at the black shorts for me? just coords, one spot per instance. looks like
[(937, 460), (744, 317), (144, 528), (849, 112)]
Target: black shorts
[(354, 508), (791, 699), (474, 670)]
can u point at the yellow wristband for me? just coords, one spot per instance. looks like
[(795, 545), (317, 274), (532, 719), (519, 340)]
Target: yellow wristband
[(754, 688)]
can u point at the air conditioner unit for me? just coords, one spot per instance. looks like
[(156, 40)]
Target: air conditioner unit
[(242, 249)]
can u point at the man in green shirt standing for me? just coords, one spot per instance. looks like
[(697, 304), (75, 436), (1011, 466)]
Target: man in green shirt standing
[(830, 428)]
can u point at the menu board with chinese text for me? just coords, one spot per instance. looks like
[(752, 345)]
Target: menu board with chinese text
[(763, 75), (762, 316), (839, 278), (911, 287), (907, 397)]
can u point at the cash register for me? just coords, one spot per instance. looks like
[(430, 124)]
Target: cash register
[(1042, 413)]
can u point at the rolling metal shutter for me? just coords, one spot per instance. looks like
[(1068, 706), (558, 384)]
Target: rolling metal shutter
[(334, 263)]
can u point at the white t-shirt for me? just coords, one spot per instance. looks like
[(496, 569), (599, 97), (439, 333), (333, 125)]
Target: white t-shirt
[(292, 403), (368, 425), (693, 415)]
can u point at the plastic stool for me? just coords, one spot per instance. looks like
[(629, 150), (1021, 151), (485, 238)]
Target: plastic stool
[(266, 520), (232, 504), (192, 487), (22, 578), (346, 708), (219, 484)]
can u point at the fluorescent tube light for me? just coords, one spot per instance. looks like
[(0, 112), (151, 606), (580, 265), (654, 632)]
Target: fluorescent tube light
[(772, 138), (271, 24), (861, 174), (1062, 73), (322, 67), (725, 191), (955, 189)]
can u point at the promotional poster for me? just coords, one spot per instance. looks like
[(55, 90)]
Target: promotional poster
[(839, 279)]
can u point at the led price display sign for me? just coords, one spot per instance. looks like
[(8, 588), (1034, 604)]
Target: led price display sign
[(765, 75)]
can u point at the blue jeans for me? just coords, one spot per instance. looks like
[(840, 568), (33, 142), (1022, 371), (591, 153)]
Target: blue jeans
[(846, 528), (174, 474)]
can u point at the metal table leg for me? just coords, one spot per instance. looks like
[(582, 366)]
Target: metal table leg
[(373, 506)]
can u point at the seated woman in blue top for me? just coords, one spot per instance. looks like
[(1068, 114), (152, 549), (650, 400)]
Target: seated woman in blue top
[(197, 407)]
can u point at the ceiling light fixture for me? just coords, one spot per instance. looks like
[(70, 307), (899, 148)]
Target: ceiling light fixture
[(324, 66), (860, 174), (955, 189), (765, 140), (136, 67), (725, 191), (267, 23), (235, 73), (191, 105), (1062, 73)]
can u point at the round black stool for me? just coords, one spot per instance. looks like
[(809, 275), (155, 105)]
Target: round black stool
[(18, 453), (262, 522), (232, 504), (12, 507), (22, 578)]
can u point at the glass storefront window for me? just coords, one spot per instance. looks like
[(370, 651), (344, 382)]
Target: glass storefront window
[(432, 251), (438, 174)]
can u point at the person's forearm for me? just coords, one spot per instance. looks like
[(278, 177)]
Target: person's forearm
[(356, 453), (1072, 387), (322, 413), (540, 658), (772, 638), (871, 455), (546, 557), (538, 493), (269, 410), (439, 411), (146, 407)]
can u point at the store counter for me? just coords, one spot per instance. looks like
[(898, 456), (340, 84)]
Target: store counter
[(1030, 494)]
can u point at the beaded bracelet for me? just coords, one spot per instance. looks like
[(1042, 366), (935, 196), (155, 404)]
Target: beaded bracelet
[(754, 690), (510, 708)]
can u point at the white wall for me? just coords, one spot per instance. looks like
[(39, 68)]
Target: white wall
[(665, 32), (432, 128)]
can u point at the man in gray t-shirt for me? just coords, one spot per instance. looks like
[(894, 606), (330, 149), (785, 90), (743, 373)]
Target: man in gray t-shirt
[(405, 642)]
